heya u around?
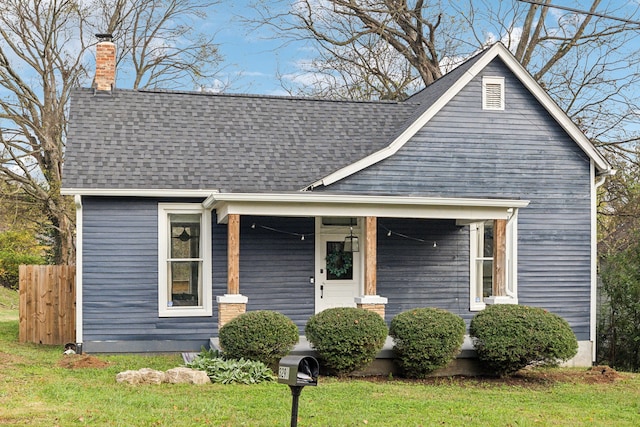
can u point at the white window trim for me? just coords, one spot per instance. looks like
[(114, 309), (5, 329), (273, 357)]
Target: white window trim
[(511, 272), (490, 80), (512, 256), (164, 209)]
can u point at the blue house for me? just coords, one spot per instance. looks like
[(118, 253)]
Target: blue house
[(194, 207)]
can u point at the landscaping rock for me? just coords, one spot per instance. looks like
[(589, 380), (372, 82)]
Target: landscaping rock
[(131, 377), (182, 375), (142, 376)]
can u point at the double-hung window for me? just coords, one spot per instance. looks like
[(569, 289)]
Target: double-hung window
[(184, 262), (481, 240)]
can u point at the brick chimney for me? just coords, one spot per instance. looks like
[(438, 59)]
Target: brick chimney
[(105, 78)]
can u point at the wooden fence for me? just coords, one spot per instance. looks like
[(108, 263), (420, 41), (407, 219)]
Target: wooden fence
[(48, 304)]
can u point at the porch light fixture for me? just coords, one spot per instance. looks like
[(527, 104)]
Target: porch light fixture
[(351, 243)]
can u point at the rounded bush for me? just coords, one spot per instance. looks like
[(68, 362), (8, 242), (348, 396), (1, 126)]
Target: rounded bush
[(425, 339), (510, 337), (265, 336), (346, 338)]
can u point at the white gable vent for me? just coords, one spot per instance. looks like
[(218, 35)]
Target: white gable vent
[(493, 93)]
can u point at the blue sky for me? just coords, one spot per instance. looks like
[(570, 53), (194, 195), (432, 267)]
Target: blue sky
[(252, 59)]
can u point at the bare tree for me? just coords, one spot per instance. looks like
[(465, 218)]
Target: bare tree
[(365, 69), (384, 44), (151, 35), (589, 64), (43, 50)]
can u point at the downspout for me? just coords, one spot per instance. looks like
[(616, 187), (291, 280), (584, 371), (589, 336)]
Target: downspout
[(596, 183), (79, 233)]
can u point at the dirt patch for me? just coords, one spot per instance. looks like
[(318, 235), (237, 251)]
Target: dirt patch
[(602, 374), (530, 378), (78, 361)]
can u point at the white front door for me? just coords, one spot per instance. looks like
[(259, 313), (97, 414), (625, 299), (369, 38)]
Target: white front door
[(337, 272)]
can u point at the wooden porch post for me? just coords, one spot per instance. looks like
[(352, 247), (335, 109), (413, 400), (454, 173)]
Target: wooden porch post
[(499, 257), (232, 304), (370, 255), (370, 300), (233, 254)]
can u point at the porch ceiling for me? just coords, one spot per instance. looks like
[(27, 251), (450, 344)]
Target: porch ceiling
[(313, 204)]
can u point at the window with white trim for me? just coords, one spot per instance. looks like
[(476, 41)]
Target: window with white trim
[(493, 93), (481, 264), (184, 261)]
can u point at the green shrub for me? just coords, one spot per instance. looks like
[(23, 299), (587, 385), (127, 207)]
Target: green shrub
[(510, 337), (16, 248), (228, 371), (426, 339), (346, 338), (262, 335), (619, 318)]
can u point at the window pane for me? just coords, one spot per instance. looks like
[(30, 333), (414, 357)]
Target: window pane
[(184, 283), (339, 263), (488, 240), (487, 278), (185, 235)]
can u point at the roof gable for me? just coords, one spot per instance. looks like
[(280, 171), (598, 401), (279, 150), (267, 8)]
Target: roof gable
[(433, 98)]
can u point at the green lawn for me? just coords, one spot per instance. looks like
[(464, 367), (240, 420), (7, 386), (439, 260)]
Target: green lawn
[(36, 391)]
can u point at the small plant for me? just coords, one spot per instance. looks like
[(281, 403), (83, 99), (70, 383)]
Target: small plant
[(346, 338), (229, 371), (265, 336), (426, 339), (510, 337)]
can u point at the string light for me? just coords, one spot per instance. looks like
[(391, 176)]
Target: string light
[(303, 235), (276, 230), (404, 236)]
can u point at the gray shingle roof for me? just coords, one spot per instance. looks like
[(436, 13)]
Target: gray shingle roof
[(155, 140), (240, 143)]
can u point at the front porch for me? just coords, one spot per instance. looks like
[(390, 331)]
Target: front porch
[(437, 252)]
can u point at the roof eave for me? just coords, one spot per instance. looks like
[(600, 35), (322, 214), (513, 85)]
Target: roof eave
[(323, 204), (136, 192)]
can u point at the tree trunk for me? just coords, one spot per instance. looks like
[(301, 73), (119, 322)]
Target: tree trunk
[(62, 230)]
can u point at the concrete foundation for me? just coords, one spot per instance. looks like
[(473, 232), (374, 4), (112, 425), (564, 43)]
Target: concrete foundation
[(465, 364)]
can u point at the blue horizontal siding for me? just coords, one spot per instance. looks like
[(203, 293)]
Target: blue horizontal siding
[(275, 267), (120, 276), (413, 273), (519, 153), (120, 282)]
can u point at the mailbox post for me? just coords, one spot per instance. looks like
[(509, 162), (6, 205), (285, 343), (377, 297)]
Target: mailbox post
[(297, 372)]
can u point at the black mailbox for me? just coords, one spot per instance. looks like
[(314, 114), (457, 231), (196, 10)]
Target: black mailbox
[(298, 371)]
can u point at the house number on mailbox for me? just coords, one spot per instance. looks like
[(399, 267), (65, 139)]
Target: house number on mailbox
[(283, 372)]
